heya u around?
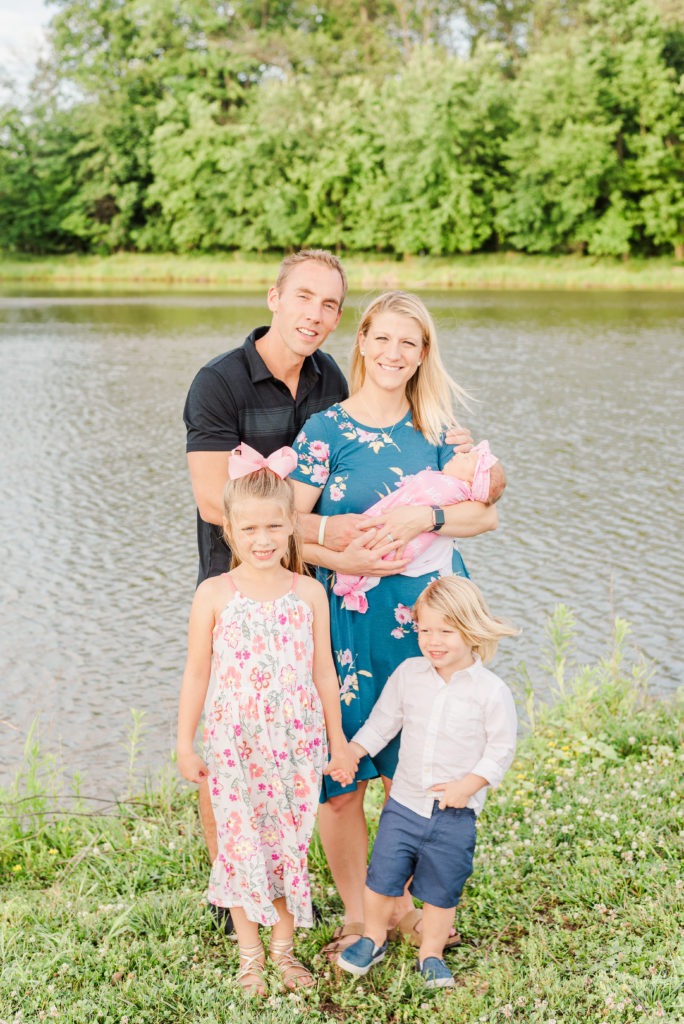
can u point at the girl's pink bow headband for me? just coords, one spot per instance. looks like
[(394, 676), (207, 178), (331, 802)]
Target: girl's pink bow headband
[(245, 460)]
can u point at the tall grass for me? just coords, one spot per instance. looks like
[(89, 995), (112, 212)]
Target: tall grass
[(140, 271), (573, 914)]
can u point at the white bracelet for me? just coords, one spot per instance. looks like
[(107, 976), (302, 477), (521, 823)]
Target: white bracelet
[(321, 530)]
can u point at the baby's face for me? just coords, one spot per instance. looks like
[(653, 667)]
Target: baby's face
[(463, 465)]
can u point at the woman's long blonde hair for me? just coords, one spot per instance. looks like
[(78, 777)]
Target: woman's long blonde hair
[(460, 602), (431, 392), (264, 485)]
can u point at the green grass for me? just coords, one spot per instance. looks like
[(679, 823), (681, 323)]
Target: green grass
[(573, 914), (249, 271)]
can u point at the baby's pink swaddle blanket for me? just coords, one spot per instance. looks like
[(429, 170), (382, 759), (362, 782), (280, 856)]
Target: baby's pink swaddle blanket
[(429, 552)]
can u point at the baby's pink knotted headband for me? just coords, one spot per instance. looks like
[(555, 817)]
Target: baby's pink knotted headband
[(245, 460), (485, 461)]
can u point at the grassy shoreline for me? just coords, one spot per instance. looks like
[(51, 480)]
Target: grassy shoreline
[(242, 271), (571, 915)]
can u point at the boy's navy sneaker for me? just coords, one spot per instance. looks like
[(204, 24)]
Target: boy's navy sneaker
[(363, 954), (435, 973)]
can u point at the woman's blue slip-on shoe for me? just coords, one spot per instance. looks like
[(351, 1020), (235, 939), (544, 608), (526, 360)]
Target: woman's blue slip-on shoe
[(435, 973), (363, 954)]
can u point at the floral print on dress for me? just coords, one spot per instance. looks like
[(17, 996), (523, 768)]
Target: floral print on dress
[(265, 748), (348, 676), (404, 616)]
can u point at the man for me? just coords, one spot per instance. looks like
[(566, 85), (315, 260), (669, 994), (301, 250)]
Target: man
[(262, 393)]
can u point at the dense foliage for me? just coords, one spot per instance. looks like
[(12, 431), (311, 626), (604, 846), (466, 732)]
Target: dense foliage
[(398, 126)]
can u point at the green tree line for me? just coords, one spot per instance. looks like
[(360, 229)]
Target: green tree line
[(396, 126)]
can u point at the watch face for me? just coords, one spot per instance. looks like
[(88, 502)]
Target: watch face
[(438, 515)]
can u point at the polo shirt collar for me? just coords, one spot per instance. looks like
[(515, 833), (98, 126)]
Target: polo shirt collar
[(258, 370)]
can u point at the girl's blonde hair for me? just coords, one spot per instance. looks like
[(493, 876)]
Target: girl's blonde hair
[(263, 485), (460, 602), (431, 391)]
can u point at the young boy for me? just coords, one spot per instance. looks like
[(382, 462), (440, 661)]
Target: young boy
[(459, 732)]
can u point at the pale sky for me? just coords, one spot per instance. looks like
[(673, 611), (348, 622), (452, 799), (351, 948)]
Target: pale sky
[(21, 36)]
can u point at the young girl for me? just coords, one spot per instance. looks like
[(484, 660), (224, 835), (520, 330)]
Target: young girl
[(259, 661), (459, 728)]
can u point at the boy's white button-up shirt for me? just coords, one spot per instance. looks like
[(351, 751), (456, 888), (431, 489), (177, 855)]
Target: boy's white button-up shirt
[(448, 730)]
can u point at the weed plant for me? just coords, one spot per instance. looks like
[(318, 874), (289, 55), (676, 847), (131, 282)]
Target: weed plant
[(573, 914)]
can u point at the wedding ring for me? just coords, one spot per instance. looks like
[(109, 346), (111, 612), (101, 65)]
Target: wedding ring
[(388, 536)]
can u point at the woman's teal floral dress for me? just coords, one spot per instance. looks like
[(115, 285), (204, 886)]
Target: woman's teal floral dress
[(353, 466)]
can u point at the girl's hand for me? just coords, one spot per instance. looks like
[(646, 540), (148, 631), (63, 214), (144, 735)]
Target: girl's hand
[(342, 764), (192, 767)]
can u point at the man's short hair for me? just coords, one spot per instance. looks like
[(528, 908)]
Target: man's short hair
[(295, 259)]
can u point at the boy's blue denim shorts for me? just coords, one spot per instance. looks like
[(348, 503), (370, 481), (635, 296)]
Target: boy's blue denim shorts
[(436, 851)]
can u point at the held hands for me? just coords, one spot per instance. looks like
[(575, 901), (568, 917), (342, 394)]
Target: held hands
[(192, 767), (343, 762)]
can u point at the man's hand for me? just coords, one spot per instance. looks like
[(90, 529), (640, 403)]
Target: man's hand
[(341, 530), (460, 437)]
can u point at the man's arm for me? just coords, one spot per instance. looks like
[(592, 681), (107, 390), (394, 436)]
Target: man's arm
[(211, 419), (208, 476), (338, 531)]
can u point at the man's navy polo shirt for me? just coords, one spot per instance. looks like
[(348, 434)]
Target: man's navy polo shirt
[(235, 398)]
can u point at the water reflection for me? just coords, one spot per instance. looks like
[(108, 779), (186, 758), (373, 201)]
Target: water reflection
[(579, 394)]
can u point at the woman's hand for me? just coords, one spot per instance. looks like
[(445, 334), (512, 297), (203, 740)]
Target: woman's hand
[(401, 525), (361, 558), (192, 767)]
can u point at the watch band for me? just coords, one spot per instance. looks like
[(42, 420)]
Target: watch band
[(437, 518)]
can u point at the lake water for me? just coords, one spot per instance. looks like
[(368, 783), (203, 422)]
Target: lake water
[(579, 394)]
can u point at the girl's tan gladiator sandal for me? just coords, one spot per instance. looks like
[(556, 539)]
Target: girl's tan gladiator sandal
[(250, 977), (292, 971)]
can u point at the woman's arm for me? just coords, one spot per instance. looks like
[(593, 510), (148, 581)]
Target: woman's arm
[(465, 519), (338, 531), (358, 553), (195, 682)]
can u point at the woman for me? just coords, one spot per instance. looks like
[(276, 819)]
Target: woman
[(358, 450)]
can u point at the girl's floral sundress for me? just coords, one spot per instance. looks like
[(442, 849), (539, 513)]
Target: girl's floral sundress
[(265, 748), (354, 465)]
